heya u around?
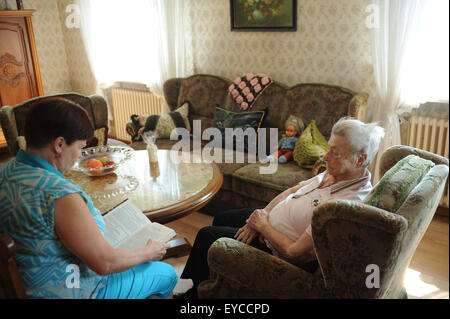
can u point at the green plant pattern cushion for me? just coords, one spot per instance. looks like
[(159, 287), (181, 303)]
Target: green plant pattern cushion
[(393, 188), (310, 146)]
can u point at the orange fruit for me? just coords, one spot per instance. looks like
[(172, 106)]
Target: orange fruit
[(94, 163)]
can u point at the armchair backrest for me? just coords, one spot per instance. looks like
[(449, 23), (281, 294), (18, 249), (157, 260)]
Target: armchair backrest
[(418, 208), (12, 118), (364, 249)]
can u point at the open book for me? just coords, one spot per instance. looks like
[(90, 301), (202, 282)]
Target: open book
[(128, 228)]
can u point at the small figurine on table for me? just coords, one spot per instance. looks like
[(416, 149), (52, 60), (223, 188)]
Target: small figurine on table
[(286, 145)]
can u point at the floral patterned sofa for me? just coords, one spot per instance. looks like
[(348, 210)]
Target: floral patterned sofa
[(243, 184), (363, 249)]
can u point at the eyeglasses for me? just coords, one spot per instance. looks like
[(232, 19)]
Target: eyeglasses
[(335, 154)]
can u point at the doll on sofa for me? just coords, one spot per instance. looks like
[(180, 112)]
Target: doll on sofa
[(286, 144)]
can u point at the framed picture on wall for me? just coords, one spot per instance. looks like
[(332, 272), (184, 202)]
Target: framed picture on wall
[(263, 15)]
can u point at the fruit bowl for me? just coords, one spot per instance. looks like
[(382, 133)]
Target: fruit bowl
[(102, 160)]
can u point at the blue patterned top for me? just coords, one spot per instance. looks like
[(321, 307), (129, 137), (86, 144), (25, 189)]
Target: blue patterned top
[(28, 188)]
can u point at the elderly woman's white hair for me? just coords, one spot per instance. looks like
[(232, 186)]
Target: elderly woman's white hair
[(362, 137)]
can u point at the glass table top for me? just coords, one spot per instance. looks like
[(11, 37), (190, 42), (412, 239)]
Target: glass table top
[(151, 186)]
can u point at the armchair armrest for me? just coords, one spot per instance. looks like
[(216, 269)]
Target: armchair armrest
[(349, 236), (241, 271), (359, 213)]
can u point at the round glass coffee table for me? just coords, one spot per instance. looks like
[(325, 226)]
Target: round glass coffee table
[(164, 191)]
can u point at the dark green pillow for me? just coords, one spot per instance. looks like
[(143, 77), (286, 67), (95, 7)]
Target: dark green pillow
[(224, 118)]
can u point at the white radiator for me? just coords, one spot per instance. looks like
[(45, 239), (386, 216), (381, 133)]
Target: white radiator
[(431, 135), (125, 102)]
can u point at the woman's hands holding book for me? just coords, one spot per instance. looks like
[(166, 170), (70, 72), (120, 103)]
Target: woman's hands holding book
[(157, 250)]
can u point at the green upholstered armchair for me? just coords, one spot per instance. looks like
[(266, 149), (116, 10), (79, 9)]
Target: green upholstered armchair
[(12, 118), (363, 249)]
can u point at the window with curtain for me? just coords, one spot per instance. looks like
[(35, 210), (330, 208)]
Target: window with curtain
[(425, 68), (410, 59), (137, 41)]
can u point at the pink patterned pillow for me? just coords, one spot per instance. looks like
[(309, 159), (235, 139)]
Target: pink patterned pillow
[(247, 88)]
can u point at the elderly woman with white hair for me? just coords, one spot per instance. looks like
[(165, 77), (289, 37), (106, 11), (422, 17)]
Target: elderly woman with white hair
[(283, 227)]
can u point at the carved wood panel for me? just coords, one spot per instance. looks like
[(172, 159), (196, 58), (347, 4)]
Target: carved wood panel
[(17, 76), (20, 77)]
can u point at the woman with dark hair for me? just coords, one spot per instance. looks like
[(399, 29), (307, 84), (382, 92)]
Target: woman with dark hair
[(61, 252)]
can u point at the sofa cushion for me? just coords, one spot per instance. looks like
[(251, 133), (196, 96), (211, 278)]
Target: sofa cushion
[(249, 182), (271, 101), (252, 120), (310, 146), (247, 88), (199, 127), (393, 188)]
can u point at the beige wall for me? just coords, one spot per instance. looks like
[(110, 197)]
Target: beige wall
[(331, 45)]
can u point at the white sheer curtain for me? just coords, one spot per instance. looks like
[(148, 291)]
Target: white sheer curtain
[(398, 22), (137, 41)]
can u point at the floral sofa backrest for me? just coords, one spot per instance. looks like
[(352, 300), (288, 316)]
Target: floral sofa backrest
[(202, 91), (310, 101), (320, 102)]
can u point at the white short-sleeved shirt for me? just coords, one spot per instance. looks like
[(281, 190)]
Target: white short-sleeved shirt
[(292, 216)]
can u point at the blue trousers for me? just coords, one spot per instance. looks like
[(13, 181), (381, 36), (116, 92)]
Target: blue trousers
[(149, 278)]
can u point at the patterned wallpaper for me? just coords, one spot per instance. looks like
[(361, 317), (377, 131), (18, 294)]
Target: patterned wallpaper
[(331, 45), (62, 58), (81, 76), (50, 46)]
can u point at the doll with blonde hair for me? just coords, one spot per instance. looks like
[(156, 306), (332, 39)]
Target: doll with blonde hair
[(293, 127)]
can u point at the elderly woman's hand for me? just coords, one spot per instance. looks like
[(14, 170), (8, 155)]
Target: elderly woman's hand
[(258, 220), (245, 234)]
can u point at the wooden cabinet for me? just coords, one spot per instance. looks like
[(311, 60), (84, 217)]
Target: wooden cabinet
[(20, 77)]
